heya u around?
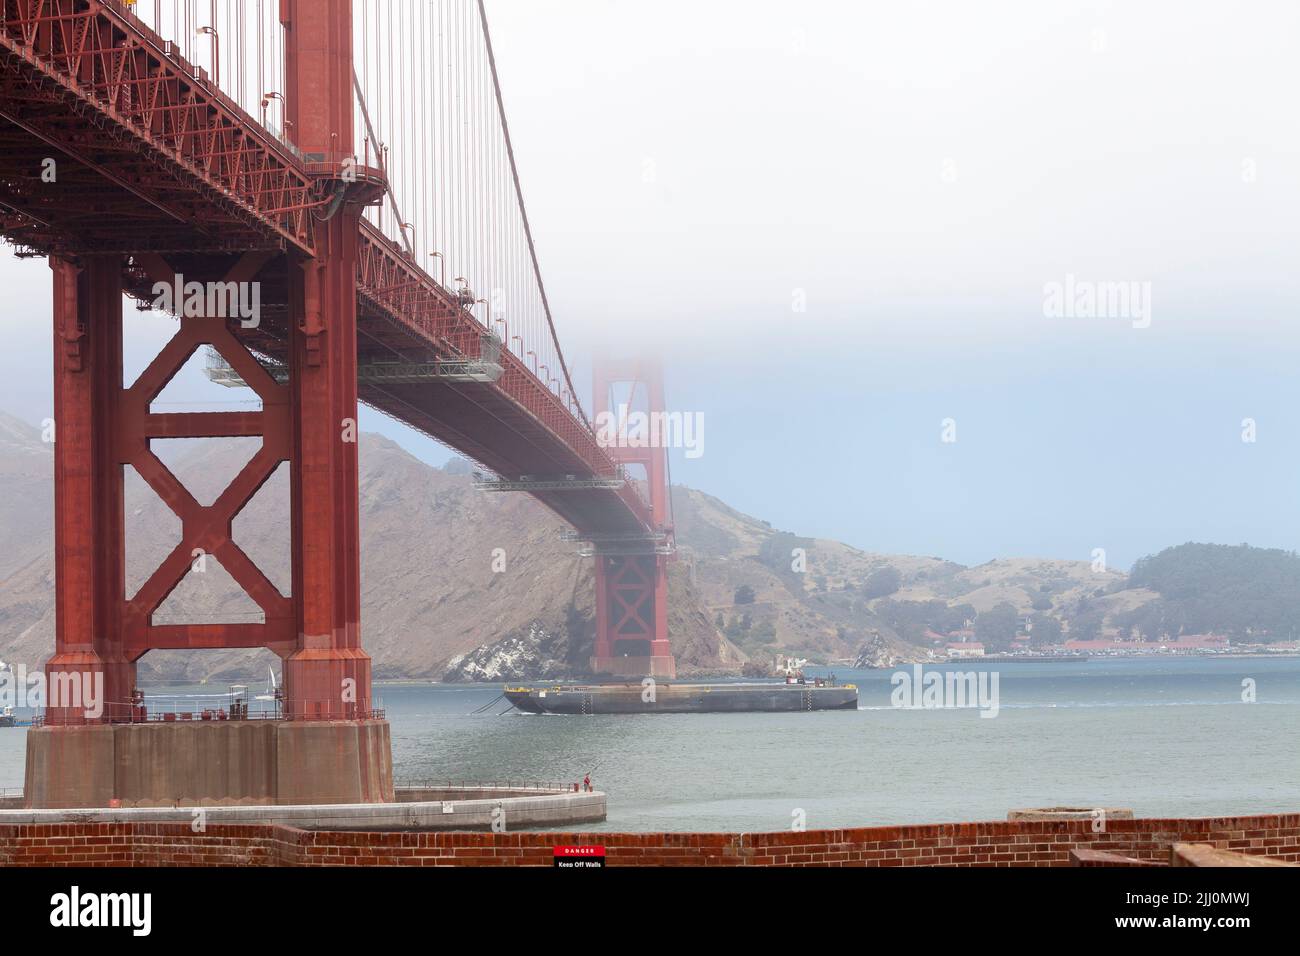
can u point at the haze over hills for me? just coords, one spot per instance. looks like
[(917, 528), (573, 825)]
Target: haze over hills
[(434, 607)]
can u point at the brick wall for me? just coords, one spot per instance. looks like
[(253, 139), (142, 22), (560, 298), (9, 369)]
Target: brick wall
[(1023, 843), (1020, 843)]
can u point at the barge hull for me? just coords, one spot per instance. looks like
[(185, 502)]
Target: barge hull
[(682, 698)]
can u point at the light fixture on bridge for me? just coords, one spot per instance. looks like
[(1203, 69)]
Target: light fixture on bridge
[(216, 51), (266, 101), (442, 267)]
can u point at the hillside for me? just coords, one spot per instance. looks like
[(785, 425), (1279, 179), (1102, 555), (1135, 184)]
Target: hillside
[(845, 599), (429, 592), (1239, 591), (743, 592)]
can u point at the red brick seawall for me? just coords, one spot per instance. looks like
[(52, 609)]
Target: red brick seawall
[(1021, 843)]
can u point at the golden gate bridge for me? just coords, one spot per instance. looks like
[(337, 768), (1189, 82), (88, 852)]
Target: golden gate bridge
[(350, 159)]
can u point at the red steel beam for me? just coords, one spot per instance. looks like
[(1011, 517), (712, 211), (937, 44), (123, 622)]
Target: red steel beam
[(632, 589), (328, 674), (95, 61)]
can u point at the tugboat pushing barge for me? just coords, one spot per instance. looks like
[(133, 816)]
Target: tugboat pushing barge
[(631, 698)]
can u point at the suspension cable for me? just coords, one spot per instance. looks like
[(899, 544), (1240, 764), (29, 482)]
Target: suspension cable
[(523, 212)]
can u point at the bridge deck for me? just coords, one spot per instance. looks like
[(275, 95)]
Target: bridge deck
[(149, 157)]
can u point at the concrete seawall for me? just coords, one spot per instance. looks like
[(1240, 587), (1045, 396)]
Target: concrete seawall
[(429, 809)]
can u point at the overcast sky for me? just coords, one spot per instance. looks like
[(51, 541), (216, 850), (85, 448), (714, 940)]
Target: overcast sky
[(839, 222)]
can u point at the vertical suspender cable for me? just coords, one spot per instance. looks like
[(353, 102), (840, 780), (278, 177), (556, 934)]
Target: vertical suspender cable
[(426, 103), (440, 135), (214, 46), (260, 27), (456, 179), (523, 212), (398, 122), (361, 63)]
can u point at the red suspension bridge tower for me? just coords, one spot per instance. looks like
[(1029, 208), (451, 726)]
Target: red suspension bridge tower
[(330, 746), (166, 182), (632, 570)]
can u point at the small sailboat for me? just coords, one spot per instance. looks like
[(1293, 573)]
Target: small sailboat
[(7, 718), (271, 686)]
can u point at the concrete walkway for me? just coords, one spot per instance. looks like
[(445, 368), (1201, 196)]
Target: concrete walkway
[(516, 809)]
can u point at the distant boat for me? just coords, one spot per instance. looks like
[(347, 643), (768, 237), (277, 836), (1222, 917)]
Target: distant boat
[(7, 718), (271, 685)]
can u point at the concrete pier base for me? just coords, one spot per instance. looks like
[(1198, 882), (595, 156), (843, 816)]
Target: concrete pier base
[(209, 763)]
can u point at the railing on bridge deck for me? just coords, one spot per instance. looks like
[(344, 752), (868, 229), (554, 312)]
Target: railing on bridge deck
[(139, 88), (523, 784), (222, 707)]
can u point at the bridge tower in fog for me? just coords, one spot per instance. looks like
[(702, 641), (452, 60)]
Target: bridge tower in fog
[(632, 570)]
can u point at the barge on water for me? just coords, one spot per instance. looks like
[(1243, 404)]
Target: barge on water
[(665, 698)]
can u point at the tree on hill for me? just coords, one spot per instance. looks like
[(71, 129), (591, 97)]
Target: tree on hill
[(1235, 590), (882, 583), (744, 595), (1044, 629), (996, 628), (778, 551), (955, 618), (912, 619), (1086, 626)]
